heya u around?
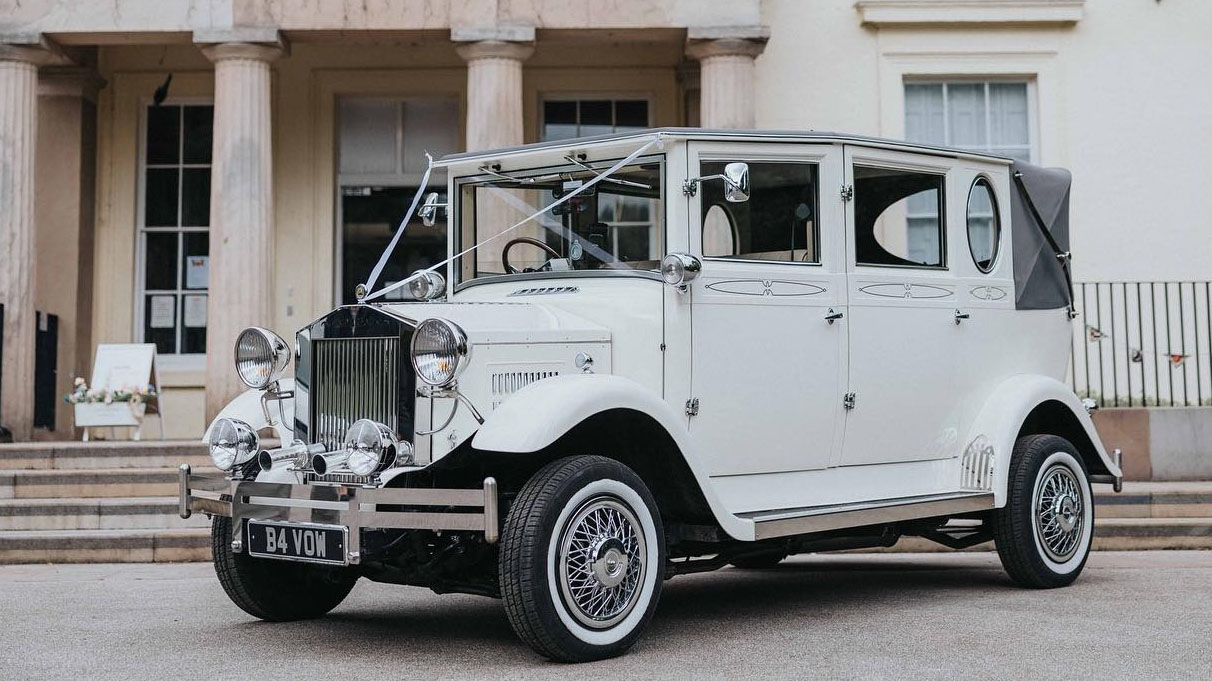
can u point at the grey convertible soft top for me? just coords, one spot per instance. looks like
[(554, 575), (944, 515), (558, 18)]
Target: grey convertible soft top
[(1039, 216)]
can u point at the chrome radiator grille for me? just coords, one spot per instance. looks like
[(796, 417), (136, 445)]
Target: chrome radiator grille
[(353, 378)]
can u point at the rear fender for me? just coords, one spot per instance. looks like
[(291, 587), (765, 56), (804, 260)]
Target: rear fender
[(1003, 416)]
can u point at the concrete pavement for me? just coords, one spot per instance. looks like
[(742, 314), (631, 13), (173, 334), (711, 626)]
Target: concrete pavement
[(1145, 615)]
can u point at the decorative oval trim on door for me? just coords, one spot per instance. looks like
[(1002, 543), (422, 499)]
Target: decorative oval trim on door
[(905, 290), (765, 287), (988, 292)]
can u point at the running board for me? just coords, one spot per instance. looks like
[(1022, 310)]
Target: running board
[(786, 522)]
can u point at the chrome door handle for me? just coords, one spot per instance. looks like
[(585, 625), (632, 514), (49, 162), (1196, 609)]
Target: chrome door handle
[(832, 315), (961, 316)]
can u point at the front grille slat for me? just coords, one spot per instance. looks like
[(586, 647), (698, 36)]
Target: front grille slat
[(355, 378)]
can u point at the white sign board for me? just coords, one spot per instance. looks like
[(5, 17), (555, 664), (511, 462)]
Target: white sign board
[(118, 367)]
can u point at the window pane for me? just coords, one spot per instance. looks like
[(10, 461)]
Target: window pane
[(368, 135), (924, 114), (160, 200), (966, 114), (983, 227), (630, 113), (1008, 120), (160, 322), (195, 260), (193, 324), (160, 261), (559, 120), (776, 223), (369, 218), (199, 123), (195, 197), (596, 118), (897, 217), (163, 134)]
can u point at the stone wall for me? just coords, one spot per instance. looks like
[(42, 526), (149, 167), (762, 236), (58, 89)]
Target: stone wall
[(1160, 443)]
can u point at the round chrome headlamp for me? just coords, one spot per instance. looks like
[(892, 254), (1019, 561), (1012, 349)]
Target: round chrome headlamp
[(372, 447), (438, 350), (232, 443), (261, 357), (427, 286)]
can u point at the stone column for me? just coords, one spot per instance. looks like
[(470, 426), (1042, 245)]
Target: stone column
[(726, 76), (494, 119), (241, 210), (18, 136)]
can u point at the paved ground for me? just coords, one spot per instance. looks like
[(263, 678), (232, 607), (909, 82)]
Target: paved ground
[(1144, 615)]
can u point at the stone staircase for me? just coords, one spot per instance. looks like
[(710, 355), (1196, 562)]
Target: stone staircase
[(93, 502)]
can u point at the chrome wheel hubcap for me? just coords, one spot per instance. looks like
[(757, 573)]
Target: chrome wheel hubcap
[(1059, 513), (601, 562)]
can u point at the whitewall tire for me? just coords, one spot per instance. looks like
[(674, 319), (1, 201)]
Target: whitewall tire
[(1044, 532), (582, 559)]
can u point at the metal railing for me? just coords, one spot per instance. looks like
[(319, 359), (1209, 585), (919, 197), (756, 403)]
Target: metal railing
[(1143, 343)]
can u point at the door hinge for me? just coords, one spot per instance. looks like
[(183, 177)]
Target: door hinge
[(692, 406), (847, 192), (848, 401)]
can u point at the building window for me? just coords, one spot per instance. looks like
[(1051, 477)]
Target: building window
[(174, 219), (631, 233), (382, 145), (568, 118), (993, 116)]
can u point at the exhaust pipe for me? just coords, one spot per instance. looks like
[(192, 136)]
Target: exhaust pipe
[(298, 452), (324, 464)]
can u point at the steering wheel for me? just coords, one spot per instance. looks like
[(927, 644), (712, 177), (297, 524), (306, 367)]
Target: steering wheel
[(524, 240)]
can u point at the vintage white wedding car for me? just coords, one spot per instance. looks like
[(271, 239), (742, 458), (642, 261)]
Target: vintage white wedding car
[(666, 352)]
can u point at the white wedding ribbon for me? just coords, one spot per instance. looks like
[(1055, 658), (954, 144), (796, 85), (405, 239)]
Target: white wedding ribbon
[(655, 141), (374, 274)]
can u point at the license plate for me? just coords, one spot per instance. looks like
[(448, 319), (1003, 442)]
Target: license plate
[(297, 541)]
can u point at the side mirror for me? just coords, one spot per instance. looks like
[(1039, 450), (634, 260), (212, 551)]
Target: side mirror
[(429, 210), (736, 183)]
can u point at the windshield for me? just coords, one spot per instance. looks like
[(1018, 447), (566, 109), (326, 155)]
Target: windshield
[(614, 224)]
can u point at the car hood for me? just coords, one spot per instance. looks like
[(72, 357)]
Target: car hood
[(507, 322)]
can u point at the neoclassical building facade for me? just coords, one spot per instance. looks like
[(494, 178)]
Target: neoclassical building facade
[(173, 171)]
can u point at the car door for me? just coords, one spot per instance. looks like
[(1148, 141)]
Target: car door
[(904, 339), (768, 363)]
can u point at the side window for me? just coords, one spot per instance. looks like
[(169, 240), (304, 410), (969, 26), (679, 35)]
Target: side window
[(898, 217), (777, 223), (984, 229)]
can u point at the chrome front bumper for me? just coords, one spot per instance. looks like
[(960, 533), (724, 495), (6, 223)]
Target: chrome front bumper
[(350, 506)]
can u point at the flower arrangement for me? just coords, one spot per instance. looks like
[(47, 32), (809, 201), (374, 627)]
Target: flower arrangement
[(82, 394)]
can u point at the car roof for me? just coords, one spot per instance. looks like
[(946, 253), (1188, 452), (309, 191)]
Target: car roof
[(729, 135)]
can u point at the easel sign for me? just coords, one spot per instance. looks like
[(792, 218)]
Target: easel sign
[(121, 367)]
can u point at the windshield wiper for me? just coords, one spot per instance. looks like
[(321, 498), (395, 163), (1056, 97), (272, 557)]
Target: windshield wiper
[(571, 158), (490, 170)]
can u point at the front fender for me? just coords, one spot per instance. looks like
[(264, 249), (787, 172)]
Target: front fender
[(1004, 413), (542, 412), (247, 407)]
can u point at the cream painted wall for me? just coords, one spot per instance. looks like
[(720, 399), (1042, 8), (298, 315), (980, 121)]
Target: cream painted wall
[(1121, 100)]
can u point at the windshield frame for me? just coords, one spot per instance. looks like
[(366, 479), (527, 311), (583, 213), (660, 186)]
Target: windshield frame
[(455, 221)]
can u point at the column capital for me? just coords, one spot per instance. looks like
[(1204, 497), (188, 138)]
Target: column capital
[(254, 51), (32, 49), (495, 49), (724, 47)]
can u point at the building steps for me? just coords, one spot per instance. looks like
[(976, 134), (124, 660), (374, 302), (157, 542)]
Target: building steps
[(92, 502)]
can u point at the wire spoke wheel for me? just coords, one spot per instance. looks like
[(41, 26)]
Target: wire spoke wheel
[(601, 562), (1059, 513)]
